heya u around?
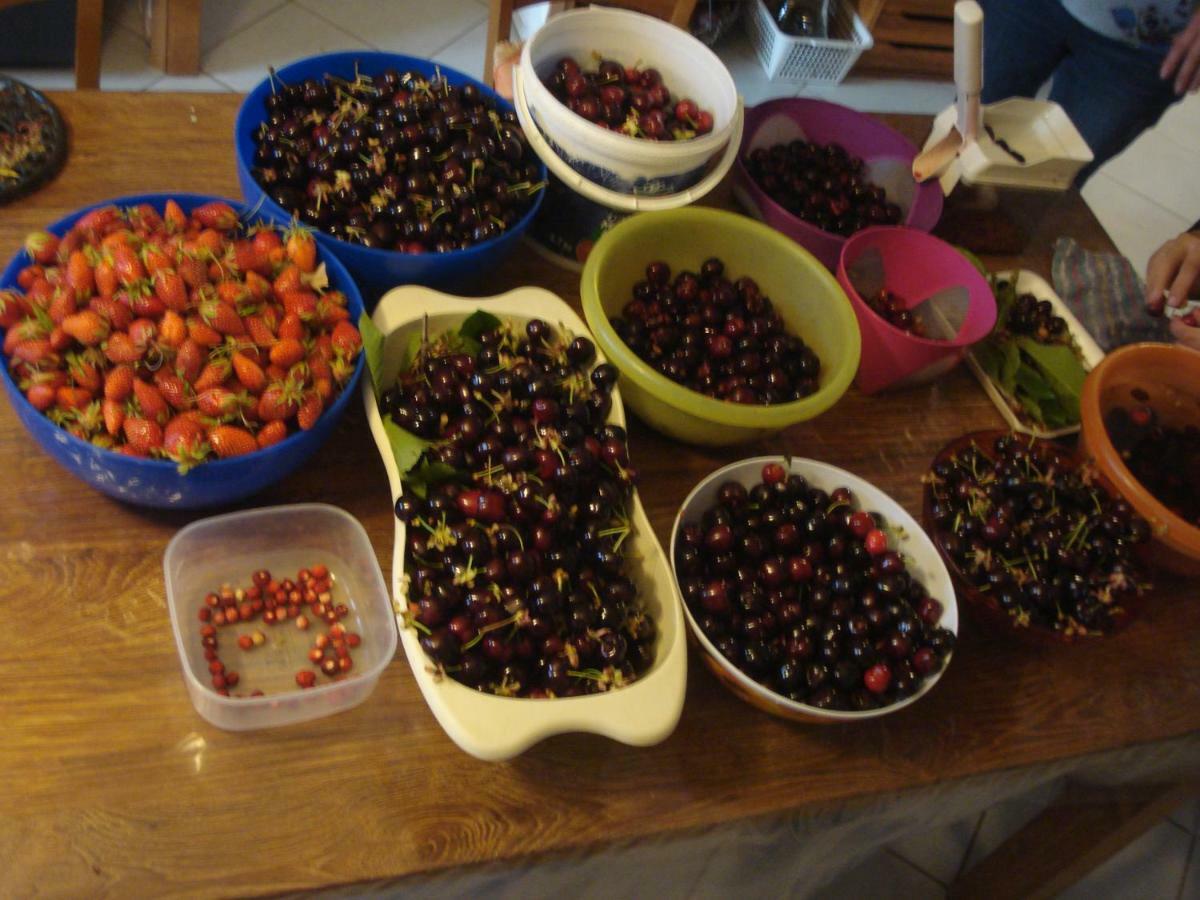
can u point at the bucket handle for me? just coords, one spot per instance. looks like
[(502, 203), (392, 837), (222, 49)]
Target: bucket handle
[(615, 199)]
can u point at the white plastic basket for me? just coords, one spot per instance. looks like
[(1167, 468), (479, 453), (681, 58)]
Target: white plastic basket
[(808, 60)]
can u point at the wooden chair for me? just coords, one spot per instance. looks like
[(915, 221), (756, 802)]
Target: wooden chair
[(677, 12), (89, 30)]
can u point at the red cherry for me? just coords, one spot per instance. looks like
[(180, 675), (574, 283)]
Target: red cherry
[(877, 678), (861, 524), (773, 473), (876, 542)]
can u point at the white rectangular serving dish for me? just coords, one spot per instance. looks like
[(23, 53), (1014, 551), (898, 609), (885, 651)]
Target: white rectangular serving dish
[(491, 727), (1032, 283)]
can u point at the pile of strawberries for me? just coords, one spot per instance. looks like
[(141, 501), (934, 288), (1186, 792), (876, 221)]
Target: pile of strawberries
[(175, 336)]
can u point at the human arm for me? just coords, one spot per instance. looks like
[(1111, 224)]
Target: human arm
[(1183, 59), (1173, 272)]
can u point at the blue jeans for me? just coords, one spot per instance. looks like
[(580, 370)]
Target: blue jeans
[(1111, 91)]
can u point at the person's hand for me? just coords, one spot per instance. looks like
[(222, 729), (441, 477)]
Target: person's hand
[(1188, 335), (1183, 59), (506, 56), (1173, 272)]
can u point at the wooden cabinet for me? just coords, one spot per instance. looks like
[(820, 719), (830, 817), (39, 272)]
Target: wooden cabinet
[(912, 38)]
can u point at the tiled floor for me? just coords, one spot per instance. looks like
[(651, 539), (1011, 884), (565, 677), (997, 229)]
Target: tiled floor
[(1148, 194)]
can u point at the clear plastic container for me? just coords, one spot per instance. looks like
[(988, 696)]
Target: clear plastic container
[(228, 549)]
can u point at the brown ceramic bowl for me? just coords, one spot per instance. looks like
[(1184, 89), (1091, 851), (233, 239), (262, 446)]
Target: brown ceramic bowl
[(1167, 378), (981, 605)]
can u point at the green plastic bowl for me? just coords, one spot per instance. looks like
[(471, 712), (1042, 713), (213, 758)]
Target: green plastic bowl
[(808, 299)]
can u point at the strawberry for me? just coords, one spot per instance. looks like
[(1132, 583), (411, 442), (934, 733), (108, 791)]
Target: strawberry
[(257, 286), (287, 352), (203, 333), (310, 411), (192, 270), (246, 258), (41, 396), (232, 292), (155, 260), (88, 327), (76, 398), (117, 313), (346, 339), (126, 264), (269, 246), (33, 352), (290, 326), (215, 214), (318, 366), (275, 373), (59, 339), (153, 404), (278, 401), (171, 289), (120, 348), (185, 441), (286, 282), (118, 383), (142, 435), (42, 247), (80, 278), (229, 440), (215, 373), (248, 372), (26, 330), (220, 402), (222, 317), (98, 219), (259, 331), (189, 360), (27, 275), (144, 302), (302, 303), (61, 306), (174, 217), (142, 332), (301, 248), (13, 308), (329, 314), (176, 391), (323, 385), (106, 278), (83, 372), (172, 329), (271, 433), (114, 415)]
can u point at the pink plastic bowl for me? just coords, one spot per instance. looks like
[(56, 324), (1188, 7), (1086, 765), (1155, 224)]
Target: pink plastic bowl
[(778, 121), (916, 266)]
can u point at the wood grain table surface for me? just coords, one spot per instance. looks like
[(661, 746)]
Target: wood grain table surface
[(113, 784)]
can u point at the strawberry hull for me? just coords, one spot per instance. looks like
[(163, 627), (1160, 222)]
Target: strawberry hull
[(156, 482)]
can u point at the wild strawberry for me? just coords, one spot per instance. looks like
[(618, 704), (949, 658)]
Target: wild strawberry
[(117, 313), (189, 360), (310, 411), (13, 308), (290, 326), (68, 397), (120, 348), (177, 392), (153, 404), (248, 372), (114, 415), (185, 440), (215, 214), (118, 383), (171, 289), (81, 280), (301, 248), (220, 402), (42, 247), (61, 305), (278, 401), (222, 317), (259, 331), (88, 327), (229, 440), (172, 329), (214, 374), (142, 435), (287, 352), (346, 339), (271, 433), (174, 217), (203, 333), (41, 396), (126, 264)]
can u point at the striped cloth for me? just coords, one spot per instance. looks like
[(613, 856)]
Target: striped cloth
[(1105, 294)]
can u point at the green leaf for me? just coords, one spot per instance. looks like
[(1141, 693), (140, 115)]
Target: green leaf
[(430, 474), (407, 448), (1010, 366), (478, 324), (412, 348), (1061, 369), (990, 355), (372, 340)]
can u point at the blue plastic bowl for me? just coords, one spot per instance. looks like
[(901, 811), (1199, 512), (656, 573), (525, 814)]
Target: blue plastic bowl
[(157, 482), (377, 271)]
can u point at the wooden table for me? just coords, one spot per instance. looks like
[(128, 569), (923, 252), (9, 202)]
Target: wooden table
[(112, 783)]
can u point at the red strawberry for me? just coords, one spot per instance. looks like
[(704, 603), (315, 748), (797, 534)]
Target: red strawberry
[(171, 289), (155, 260), (257, 286), (269, 245), (248, 372), (106, 278), (203, 333), (80, 277), (229, 440), (302, 303), (291, 327), (301, 248), (87, 327), (259, 331), (216, 215), (143, 332), (176, 391), (185, 441), (346, 339), (189, 360), (84, 373), (114, 415), (246, 258), (287, 352), (61, 305), (118, 383), (310, 411), (126, 264), (68, 397), (193, 271), (329, 314), (323, 385), (174, 217), (112, 309), (59, 339), (13, 308), (214, 374), (33, 352), (172, 330), (222, 317), (41, 396), (154, 405), (318, 366), (42, 247), (98, 219), (271, 433), (287, 282), (278, 401), (219, 402), (142, 435), (145, 304), (121, 348)]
